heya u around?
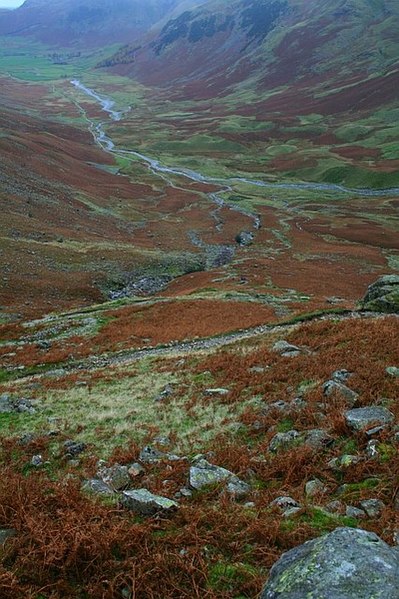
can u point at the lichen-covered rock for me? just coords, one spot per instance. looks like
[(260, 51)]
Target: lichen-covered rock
[(344, 461), (145, 503), (315, 487), (151, 455), (317, 438), (203, 474), (383, 295), (286, 349), (361, 419), (73, 448), (341, 375), (287, 505), (97, 487), (116, 476), (345, 564), (354, 512), (9, 404), (283, 441), (245, 238), (372, 507), (136, 470), (335, 387)]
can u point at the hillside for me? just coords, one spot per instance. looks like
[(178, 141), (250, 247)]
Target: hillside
[(85, 22), (274, 79), (199, 299)]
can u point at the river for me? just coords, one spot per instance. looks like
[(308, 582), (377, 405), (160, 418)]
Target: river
[(107, 105)]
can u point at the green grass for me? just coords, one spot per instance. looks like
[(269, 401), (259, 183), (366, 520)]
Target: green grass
[(33, 62), (324, 522), (112, 414), (225, 576)]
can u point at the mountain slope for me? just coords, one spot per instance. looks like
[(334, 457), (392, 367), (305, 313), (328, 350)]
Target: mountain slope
[(305, 90), (93, 22), (220, 44)]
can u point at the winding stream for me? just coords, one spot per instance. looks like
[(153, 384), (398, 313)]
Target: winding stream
[(107, 144)]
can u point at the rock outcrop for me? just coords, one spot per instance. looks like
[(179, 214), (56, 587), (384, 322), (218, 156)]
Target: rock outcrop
[(383, 295), (345, 564)]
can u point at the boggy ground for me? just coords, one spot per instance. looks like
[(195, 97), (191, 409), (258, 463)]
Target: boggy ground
[(68, 543)]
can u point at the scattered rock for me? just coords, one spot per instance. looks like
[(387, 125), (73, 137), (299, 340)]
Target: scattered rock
[(238, 488), (98, 487), (73, 449), (345, 564), (244, 238), (354, 512), (335, 507), (184, 492), (258, 369), (362, 419), (136, 470), (341, 376), (298, 403), (162, 441), (315, 487), (287, 505), (165, 393), (9, 405), (333, 387), (145, 503), (344, 461), (372, 448), (27, 439), (383, 295), (280, 406), (393, 371), (37, 461), (7, 533), (217, 391), (117, 476), (151, 455), (284, 440), (318, 438), (375, 431), (203, 474), (286, 349), (372, 507)]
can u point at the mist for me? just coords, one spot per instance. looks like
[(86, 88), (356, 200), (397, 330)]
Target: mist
[(11, 3)]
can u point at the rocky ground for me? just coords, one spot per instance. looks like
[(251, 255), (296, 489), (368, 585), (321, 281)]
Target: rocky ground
[(196, 465)]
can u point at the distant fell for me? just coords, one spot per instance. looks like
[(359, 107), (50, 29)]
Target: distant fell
[(88, 22)]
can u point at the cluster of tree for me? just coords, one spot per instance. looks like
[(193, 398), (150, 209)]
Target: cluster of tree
[(125, 55)]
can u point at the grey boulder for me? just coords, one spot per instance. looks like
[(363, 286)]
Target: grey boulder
[(145, 503), (116, 476), (283, 441), (97, 487), (286, 349), (335, 387), (203, 474), (361, 419), (345, 564)]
